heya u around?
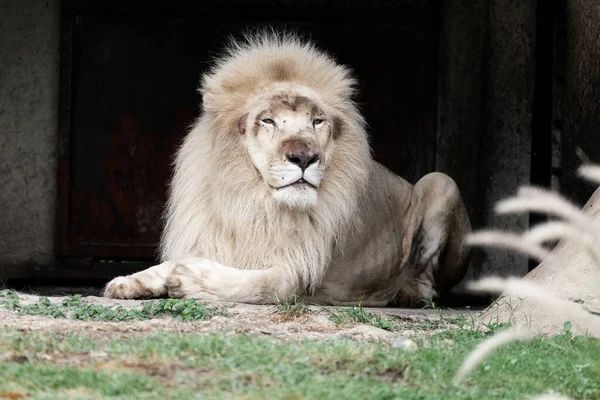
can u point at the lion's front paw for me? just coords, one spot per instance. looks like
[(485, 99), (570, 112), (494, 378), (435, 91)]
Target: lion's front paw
[(126, 287), (179, 281), (185, 283)]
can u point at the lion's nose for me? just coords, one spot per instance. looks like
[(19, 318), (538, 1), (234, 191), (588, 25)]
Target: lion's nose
[(302, 159)]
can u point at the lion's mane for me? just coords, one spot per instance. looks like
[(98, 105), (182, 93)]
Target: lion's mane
[(218, 206)]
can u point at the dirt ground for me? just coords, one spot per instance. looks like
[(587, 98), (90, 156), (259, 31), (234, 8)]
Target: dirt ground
[(255, 320)]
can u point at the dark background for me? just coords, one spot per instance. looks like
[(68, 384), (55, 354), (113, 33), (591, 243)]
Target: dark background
[(131, 95)]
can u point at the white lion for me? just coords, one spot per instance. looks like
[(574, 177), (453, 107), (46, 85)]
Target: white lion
[(275, 194)]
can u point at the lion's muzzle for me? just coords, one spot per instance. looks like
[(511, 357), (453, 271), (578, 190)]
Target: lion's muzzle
[(300, 152)]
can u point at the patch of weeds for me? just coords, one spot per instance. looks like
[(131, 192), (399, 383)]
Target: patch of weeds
[(43, 307), (472, 333), (495, 327), (294, 308), (10, 299), (72, 301), (429, 303), (567, 330), (93, 312), (185, 309), (357, 314), (385, 323), (75, 308)]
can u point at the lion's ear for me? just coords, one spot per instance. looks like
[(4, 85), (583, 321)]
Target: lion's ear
[(208, 100), (242, 124)]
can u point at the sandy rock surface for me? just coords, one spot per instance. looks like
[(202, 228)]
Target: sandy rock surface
[(256, 320)]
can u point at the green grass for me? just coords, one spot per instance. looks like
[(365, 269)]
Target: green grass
[(75, 307), (166, 365), (357, 314), (170, 365)]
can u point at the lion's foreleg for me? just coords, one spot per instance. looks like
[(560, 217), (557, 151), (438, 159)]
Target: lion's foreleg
[(208, 280), (151, 282)]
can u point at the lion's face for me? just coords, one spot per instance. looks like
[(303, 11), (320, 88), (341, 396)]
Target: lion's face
[(289, 136)]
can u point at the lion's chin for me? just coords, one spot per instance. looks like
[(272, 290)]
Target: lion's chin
[(299, 196)]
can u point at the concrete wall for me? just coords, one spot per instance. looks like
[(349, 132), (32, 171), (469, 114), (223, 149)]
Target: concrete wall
[(29, 87), (582, 95), (505, 149), (486, 90)]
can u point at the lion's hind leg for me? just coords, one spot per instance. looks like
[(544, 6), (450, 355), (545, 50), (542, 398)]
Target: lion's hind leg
[(438, 249)]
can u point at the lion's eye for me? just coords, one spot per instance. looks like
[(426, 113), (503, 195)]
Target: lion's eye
[(317, 122), (268, 121)]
